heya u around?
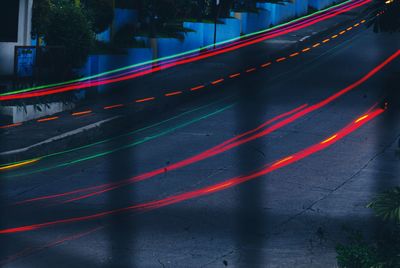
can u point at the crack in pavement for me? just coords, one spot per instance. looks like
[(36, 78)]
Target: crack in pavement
[(310, 207)]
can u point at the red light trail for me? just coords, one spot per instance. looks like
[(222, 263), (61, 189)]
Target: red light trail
[(227, 145), (206, 154), (353, 126), (184, 60)]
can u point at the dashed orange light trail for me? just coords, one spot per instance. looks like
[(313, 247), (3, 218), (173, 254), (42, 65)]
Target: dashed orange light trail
[(224, 49), (234, 142), (209, 189)]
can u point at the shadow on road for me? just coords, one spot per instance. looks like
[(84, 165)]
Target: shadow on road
[(250, 220), (121, 229)]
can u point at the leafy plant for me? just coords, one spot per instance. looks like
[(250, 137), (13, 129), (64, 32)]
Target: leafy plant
[(387, 205), (101, 14), (357, 253)]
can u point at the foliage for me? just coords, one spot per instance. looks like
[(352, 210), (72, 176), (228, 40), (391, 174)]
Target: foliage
[(101, 14), (357, 253), (41, 10), (385, 249), (384, 252), (69, 28), (384, 15), (387, 205)]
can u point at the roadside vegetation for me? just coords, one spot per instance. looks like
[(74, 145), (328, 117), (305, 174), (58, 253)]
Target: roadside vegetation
[(383, 249)]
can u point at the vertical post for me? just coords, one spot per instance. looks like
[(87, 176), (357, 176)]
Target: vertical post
[(112, 23), (216, 21)]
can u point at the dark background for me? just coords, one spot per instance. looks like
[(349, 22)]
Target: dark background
[(9, 20)]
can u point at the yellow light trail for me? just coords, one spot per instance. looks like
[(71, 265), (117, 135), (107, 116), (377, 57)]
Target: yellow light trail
[(20, 164), (329, 139)]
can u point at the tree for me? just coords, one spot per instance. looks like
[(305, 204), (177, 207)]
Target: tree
[(66, 30), (100, 12), (41, 10)]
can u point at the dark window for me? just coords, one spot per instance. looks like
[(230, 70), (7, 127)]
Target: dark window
[(9, 12)]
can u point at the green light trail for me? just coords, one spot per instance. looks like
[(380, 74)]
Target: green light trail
[(172, 56), (141, 141)]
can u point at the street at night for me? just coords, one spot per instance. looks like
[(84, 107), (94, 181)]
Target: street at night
[(273, 149)]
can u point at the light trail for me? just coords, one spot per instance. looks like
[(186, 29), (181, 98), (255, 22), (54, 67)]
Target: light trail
[(206, 154), (156, 204), (187, 53), (47, 119), (19, 164), (231, 47), (234, 142), (109, 107), (10, 125), (113, 106), (82, 113), (141, 141), (31, 250)]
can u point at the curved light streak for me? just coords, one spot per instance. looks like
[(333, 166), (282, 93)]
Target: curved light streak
[(292, 27), (208, 153), (19, 164), (141, 141), (234, 142), (143, 207)]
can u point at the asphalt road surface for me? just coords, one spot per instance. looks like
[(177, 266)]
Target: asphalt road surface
[(265, 174)]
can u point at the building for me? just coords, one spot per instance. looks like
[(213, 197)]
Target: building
[(15, 23)]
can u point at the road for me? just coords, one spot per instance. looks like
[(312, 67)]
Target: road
[(264, 174)]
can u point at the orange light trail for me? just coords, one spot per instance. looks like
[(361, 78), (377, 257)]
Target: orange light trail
[(146, 99), (294, 115), (306, 49), (342, 32), (294, 54), (251, 70), (334, 36), (82, 113), (173, 93), (113, 106), (186, 59), (234, 75), (197, 88), (217, 81), (10, 125), (156, 204), (281, 59), (266, 64), (326, 40), (47, 119), (316, 45)]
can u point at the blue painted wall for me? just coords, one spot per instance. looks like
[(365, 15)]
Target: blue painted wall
[(202, 34)]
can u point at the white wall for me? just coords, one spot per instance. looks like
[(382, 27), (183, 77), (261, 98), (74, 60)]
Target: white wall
[(24, 38)]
